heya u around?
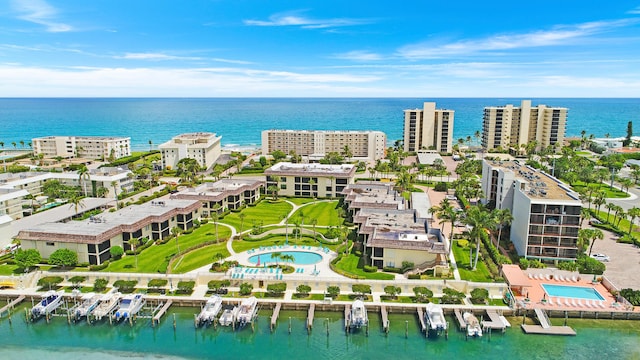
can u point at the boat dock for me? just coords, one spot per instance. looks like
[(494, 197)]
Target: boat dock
[(545, 327), (156, 318), (12, 304), (423, 325), (462, 325), (495, 322), (310, 314), (385, 318), (347, 317), (274, 316)]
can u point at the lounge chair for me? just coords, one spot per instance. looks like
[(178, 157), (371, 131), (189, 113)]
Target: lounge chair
[(550, 301), (547, 277), (579, 303), (530, 276), (574, 279)]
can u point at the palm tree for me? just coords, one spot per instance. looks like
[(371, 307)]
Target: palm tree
[(477, 135), (503, 217), (241, 216), (480, 221), (273, 189), (276, 256), (596, 234), (84, 176), (286, 228), (609, 206), (133, 243), (76, 201), (216, 215), (114, 185), (314, 222), (102, 192), (22, 144), (446, 212), (600, 199), (14, 144), (176, 231), (287, 258), (633, 213), (150, 145)]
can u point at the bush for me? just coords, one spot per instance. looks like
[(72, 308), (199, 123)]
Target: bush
[(63, 257), (246, 289), (441, 187), (479, 296), (462, 243), (414, 277), (100, 284), (50, 281), (125, 286), (391, 269), (157, 283), (361, 289), (333, 291), (524, 263), (451, 296), (568, 265), (276, 289), (116, 252), (102, 266), (303, 289), (422, 294), (536, 264), (370, 269), (588, 265), (392, 290), (633, 296), (185, 287), (214, 285)]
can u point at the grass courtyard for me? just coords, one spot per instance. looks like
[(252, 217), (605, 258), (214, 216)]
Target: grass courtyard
[(481, 274), (325, 212), (264, 212)]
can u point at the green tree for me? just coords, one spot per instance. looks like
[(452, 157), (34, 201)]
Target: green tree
[(303, 290), (175, 232), (392, 291), (77, 280), (361, 289), (246, 289), (156, 284), (627, 140), (503, 217), (100, 284), (63, 257), (26, 259), (277, 289), (633, 213), (480, 221), (241, 216), (278, 155), (333, 291), (83, 177), (446, 212), (185, 287), (116, 252), (50, 282), (422, 293), (76, 202)]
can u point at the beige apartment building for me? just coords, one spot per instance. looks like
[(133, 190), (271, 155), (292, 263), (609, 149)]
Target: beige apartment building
[(510, 126), (428, 128), (90, 147), (546, 212), (310, 180), (315, 144), (204, 147)]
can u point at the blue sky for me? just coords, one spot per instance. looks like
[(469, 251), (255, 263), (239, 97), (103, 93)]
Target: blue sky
[(241, 48)]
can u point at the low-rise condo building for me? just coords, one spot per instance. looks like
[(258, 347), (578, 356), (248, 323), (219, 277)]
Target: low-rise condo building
[(204, 147), (310, 180), (428, 128), (546, 212), (315, 144), (512, 126), (19, 191), (372, 195), (231, 194), (92, 238), (90, 147)]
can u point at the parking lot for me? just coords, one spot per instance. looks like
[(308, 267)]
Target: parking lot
[(624, 261)]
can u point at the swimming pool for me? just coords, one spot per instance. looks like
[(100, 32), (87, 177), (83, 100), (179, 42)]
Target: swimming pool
[(300, 257), (577, 292)]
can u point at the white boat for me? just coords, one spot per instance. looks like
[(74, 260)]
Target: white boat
[(108, 302), (228, 316), (50, 301), (90, 301), (247, 311), (358, 316), (473, 325), (129, 306), (210, 310), (435, 318)]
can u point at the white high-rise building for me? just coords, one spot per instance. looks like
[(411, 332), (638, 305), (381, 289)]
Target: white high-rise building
[(315, 144), (428, 128), (204, 147)]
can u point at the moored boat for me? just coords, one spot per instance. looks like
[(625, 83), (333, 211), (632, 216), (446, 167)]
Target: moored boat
[(210, 310), (129, 306), (108, 302), (89, 303), (247, 311), (473, 325), (435, 319), (51, 300), (228, 316), (358, 315)]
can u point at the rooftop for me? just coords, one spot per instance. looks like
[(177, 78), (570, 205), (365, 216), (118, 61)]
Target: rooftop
[(373, 194), (537, 184), (219, 189), (287, 168)]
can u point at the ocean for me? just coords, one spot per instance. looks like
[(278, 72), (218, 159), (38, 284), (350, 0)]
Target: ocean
[(604, 339), (240, 120)]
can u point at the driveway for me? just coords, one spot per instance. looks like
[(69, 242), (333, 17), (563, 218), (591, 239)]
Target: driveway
[(624, 261)]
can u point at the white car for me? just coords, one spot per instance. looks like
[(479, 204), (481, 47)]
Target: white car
[(600, 257)]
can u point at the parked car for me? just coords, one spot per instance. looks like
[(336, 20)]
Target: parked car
[(595, 222), (600, 257)]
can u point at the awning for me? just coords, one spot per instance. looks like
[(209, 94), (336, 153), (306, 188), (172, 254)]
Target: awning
[(515, 276)]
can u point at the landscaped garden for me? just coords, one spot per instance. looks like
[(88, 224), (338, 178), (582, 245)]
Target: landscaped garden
[(200, 257), (264, 213), (325, 213), (461, 253)]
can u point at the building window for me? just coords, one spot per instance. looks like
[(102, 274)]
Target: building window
[(49, 243)]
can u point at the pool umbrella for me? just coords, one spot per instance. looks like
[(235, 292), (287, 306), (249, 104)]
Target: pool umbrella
[(258, 264)]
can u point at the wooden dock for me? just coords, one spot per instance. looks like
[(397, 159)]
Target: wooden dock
[(274, 316), (156, 318), (462, 325), (495, 322), (12, 304), (423, 325), (347, 316), (553, 330), (385, 318), (310, 314)]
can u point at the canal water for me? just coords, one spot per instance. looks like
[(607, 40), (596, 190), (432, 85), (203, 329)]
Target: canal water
[(58, 340)]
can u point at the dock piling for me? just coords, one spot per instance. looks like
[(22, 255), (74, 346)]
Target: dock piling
[(289, 324), (406, 329), (327, 322), (174, 322)]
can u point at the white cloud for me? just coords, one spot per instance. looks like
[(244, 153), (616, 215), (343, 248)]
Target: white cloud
[(635, 11), (358, 55), (559, 35), (40, 12), (292, 19), (154, 57)]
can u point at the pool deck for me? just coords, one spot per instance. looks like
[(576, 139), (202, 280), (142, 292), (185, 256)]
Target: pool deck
[(251, 271), (536, 297)]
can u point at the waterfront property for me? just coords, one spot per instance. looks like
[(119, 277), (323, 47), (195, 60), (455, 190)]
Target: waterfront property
[(91, 147), (310, 180), (315, 144), (92, 238), (509, 126), (372, 195), (428, 128), (546, 211), (223, 194), (204, 147)]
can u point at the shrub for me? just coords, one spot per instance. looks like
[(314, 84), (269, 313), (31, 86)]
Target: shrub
[(63, 257), (633, 296), (50, 281), (76, 280), (361, 289), (407, 265), (333, 291), (116, 252), (125, 286), (276, 289), (246, 289), (536, 264), (370, 269), (441, 187), (451, 296), (392, 290), (414, 277), (422, 294), (588, 265), (567, 265), (524, 263), (214, 285), (100, 284), (303, 289), (157, 283), (391, 269), (479, 296), (462, 243), (102, 266), (185, 287)]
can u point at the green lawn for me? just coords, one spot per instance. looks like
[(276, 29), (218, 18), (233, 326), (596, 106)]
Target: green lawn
[(8, 269), (156, 257), (244, 245), (481, 274), (610, 193), (352, 264), (299, 200), (325, 212), (198, 258), (265, 212), (623, 226)]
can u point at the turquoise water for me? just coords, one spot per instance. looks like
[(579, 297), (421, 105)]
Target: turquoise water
[(576, 292), (240, 121), (300, 257), (58, 340)]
